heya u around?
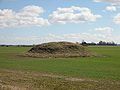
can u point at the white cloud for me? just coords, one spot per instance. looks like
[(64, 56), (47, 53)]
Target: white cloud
[(29, 15), (31, 11), (110, 8), (113, 2), (96, 35), (116, 19), (72, 15), (93, 36), (107, 31)]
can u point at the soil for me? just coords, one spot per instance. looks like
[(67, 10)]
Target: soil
[(59, 49)]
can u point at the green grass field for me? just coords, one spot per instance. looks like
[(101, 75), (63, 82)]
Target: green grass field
[(91, 67), (98, 68)]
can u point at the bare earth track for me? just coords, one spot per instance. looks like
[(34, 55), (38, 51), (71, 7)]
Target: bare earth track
[(22, 80)]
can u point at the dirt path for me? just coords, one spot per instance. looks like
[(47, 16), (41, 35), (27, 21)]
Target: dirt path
[(22, 80)]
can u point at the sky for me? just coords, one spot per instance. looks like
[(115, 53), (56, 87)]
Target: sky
[(40, 21)]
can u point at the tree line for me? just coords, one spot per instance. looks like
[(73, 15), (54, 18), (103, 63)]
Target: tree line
[(100, 43)]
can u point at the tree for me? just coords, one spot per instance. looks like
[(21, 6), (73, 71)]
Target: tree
[(84, 43)]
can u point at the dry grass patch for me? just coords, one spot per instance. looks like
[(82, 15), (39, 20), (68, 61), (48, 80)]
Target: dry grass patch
[(22, 80), (59, 49)]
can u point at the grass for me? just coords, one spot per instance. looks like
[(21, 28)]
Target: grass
[(85, 73), (17, 80), (91, 67), (58, 49)]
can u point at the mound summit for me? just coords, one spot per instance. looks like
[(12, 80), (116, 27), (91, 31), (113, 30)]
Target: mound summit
[(58, 49)]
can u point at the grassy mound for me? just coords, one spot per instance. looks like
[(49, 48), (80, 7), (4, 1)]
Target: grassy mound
[(59, 49)]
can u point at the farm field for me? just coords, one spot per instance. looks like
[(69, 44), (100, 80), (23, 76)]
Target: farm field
[(91, 73)]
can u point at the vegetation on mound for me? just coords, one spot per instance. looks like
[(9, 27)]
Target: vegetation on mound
[(59, 49)]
